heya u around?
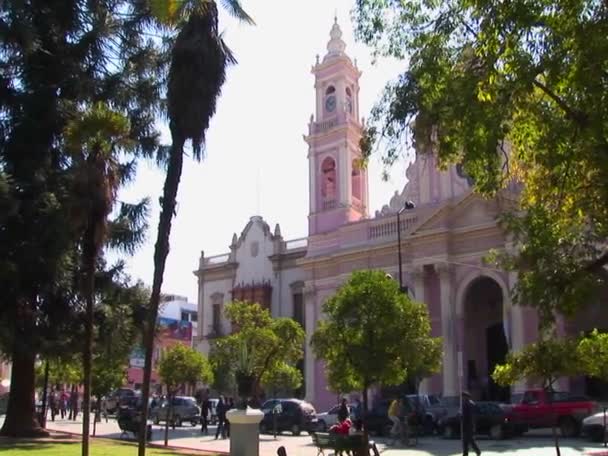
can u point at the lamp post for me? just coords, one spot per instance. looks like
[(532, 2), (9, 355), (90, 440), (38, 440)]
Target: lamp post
[(406, 206)]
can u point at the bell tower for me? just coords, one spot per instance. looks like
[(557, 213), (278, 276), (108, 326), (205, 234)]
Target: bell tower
[(338, 184)]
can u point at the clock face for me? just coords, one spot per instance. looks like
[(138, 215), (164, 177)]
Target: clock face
[(330, 103)]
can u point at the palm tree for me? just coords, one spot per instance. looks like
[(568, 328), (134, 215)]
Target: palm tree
[(93, 141), (199, 58)]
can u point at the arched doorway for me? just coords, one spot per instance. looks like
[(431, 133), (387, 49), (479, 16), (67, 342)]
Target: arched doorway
[(485, 343)]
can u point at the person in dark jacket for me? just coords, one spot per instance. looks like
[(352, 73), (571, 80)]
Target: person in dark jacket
[(468, 426), (205, 409), (343, 412), (221, 418)]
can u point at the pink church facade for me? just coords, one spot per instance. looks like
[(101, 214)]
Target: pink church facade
[(444, 240)]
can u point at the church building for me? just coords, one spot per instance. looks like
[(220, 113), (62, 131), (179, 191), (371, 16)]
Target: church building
[(444, 240)]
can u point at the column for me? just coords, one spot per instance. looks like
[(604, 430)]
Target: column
[(450, 368), (418, 277), (417, 274), (517, 317), (309, 358), (312, 173)]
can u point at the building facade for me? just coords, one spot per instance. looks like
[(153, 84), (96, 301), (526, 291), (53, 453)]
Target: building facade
[(444, 240)]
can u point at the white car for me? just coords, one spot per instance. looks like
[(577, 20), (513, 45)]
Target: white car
[(593, 426), (329, 418)]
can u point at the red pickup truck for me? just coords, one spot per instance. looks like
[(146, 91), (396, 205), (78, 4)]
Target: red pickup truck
[(540, 409)]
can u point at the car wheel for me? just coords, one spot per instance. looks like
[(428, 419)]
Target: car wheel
[(449, 432), (386, 430), (177, 420), (496, 432), (194, 423), (429, 425), (295, 429), (568, 427), (322, 426), (597, 435)]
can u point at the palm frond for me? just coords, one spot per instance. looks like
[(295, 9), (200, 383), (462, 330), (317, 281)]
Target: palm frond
[(234, 8), (127, 232)]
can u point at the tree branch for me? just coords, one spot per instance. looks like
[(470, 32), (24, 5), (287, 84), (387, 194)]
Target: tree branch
[(577, 116)]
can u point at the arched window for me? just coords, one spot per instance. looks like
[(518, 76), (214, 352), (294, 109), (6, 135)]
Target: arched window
[(330, 90), (349, 101), (356, 182), (328, 174)]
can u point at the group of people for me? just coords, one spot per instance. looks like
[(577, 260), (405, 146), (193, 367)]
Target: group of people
[(63, 403), (224, 404)]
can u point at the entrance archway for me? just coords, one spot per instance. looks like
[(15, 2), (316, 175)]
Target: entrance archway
[(485, 343)]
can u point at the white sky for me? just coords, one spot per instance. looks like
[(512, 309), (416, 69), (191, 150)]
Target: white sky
[(256, 158)]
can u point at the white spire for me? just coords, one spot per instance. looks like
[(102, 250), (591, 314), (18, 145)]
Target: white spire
[(335, 46)]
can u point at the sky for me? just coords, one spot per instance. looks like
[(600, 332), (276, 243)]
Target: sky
[(255, 161)]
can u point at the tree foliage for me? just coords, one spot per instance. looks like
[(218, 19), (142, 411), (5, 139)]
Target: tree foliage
[(272, 344), (516, 92), (373, 334), (282, 379), (182, 365), (57, 59)]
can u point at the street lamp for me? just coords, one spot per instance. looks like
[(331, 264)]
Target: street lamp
[(406, 206)]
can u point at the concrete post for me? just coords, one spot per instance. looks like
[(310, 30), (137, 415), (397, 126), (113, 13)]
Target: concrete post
[(245, 431)]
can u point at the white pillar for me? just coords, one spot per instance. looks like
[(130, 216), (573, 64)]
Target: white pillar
[(418, 276), (450, 368), (309, 358)]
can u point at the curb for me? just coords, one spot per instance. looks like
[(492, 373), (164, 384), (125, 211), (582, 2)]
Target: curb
[(158, 446)]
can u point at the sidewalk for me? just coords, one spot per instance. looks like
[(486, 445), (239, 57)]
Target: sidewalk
[(536, 444)]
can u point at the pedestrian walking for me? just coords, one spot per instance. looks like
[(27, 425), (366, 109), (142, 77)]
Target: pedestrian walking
[(343, 411), (221, 418), (63, 403), (53, 404), (229, 406), (468, 425), (205, 409), (394, 413), (73, 405)]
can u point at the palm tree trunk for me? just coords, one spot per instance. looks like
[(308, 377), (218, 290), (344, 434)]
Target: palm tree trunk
[(161, 250), (20, 418), (89, 257)]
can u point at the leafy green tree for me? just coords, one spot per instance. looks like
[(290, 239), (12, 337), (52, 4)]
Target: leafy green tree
[(515, 92), (57, 58), (261, 347), (182, 365), (197, 72), (544, 362), (371, 334), (93, 141), (592, 352), (282, 379)]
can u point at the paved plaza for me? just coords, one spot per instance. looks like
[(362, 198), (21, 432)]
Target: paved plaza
[(533, 444)]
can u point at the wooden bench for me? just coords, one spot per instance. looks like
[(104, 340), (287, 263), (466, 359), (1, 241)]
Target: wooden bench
[(340, 443)]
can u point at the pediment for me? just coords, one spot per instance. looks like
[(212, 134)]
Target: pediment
[(469, 211)]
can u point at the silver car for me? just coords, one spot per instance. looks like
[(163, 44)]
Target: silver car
[(184, 410)]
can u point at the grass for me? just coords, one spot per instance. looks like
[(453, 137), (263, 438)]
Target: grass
[(98, 448)]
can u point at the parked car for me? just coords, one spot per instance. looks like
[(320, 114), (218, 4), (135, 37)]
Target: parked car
[(184, 410), (329, 418), (593, 427), (491, 418), (377, 419), (119, 397), (292, 415), (541, 409), (431, 408)]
